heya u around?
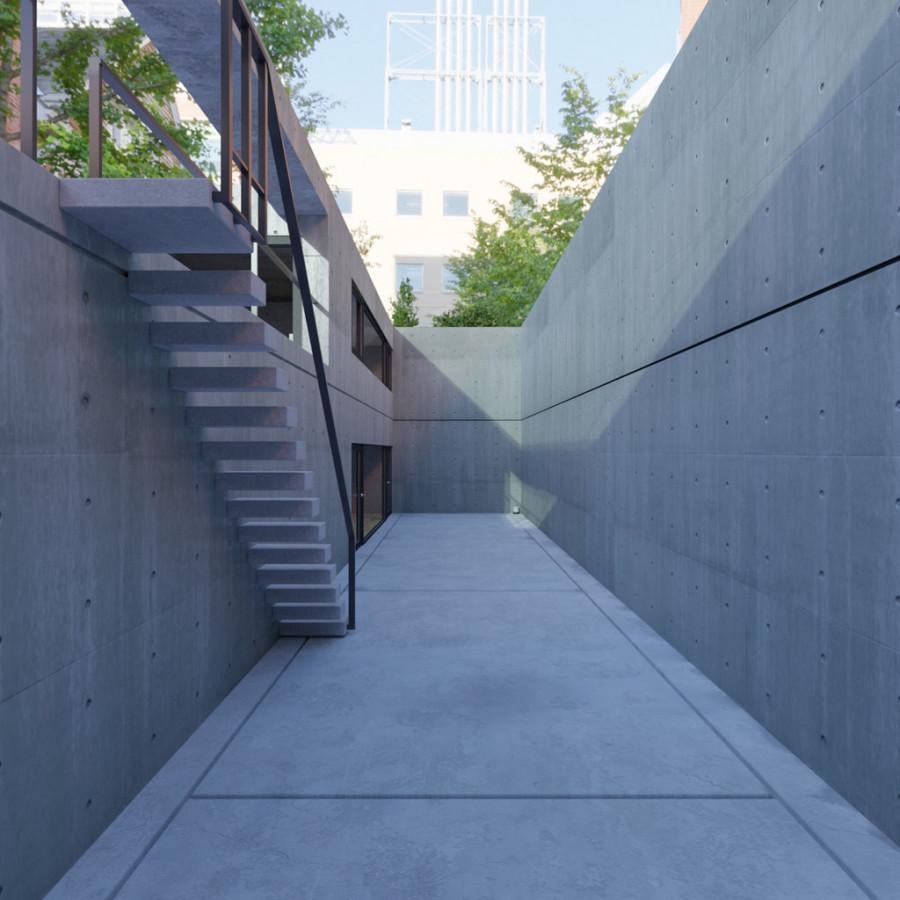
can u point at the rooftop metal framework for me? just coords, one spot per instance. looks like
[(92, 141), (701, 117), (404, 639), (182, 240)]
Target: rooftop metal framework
[(489, 72)]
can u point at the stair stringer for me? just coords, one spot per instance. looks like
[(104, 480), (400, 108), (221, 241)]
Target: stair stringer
[(269, 505)]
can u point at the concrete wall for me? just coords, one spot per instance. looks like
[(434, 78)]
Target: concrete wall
[(711, 378), (456, 410), (127, 607)]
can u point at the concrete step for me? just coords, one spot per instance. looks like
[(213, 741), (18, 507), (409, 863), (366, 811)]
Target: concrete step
[(188, 288), (241, 416), (214, 337), (281, 532), (253, 450), (288, 554), (155, 215), (263, 481), (270, 574), (228, 378), (297, 601), (301, 628), (273, 507)]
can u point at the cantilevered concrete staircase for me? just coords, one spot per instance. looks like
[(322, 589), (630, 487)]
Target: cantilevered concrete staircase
[(284, 542)]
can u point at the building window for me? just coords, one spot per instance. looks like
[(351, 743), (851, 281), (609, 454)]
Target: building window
[(344, 200), (524, 205), (415, 272), (448, 280), (456, 203), (369, 343), (409, 203)]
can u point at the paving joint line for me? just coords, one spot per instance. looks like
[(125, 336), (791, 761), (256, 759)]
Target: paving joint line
[(467, 590), (170, 818), (290, 796), (752, 769), (397, 517)]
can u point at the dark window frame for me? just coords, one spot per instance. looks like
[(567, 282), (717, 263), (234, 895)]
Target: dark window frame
[(358, 507), (363, 320)]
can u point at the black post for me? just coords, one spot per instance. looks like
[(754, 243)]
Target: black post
[(225, 113), (290, 215), (262, 146), (246, 124), (28, 78), (95, 118)]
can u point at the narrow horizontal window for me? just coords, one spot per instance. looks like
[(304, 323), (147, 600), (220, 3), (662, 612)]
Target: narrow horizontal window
[(369, 343), (344, 200), (409, 203), (448, 280), (456, 203), (415, 272)]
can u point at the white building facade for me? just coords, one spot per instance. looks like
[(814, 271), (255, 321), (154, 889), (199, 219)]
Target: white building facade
[(418, 192)]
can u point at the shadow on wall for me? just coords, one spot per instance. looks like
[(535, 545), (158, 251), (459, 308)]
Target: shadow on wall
[(456, 419), (715, 438)]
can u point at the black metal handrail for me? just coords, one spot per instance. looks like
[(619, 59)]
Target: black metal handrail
[(28, 77), (268, 131), (98, 74), (234, 13)]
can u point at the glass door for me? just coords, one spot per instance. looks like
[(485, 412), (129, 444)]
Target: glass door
[(371, 500)]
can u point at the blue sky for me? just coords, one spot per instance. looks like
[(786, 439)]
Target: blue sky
[(593, 36)]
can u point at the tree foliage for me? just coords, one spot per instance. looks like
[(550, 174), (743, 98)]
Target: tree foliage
[(290, 29), (405, 313), (512, 254), (64, 138), (365, 240)]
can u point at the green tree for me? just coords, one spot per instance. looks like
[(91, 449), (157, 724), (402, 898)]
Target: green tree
[(291, 30), (9, 60), (63, 139), (365, 241), (289, 27), (512, 254), (405, 313)]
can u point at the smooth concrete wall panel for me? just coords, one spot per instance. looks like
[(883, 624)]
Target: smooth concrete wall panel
[(457, 416), (128, 607), (455, 466), (689, 227), (710, 378)]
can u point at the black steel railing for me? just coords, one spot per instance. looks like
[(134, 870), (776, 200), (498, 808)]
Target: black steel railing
[(249, 161), (99, 73), (236, 21), (28, 78)]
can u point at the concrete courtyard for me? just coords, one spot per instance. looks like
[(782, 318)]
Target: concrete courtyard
[(498, 726)]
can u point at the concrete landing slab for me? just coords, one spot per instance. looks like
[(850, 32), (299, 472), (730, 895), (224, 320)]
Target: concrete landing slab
[(154, 215), (536, 742)]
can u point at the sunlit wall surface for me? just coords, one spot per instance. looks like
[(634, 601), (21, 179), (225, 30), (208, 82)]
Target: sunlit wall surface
[(711, 381)]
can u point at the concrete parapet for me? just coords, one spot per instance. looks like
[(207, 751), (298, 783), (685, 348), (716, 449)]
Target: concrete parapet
[(456, 419)]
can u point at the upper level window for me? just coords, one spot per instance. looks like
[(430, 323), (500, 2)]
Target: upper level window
[(409, 203), (344, 200), (369, 343), (456, 203), (448, 280), (524, 205), (415, 272)]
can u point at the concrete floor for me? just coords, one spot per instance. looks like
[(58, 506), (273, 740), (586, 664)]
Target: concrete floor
[(498, 726)]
